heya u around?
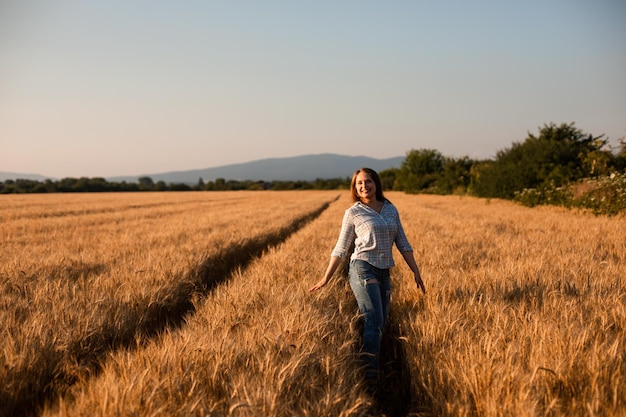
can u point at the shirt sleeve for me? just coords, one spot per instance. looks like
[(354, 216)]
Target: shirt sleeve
[(402, 243), (346, 236)]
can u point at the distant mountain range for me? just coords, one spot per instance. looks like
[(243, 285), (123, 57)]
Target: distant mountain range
[(16, 175), (304, 168)]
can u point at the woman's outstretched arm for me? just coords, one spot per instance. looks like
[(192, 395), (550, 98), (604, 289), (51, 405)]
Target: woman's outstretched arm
[(334, 263), (410, 261)]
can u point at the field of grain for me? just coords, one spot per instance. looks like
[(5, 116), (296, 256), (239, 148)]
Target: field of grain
[(83, 275), (197, 304)]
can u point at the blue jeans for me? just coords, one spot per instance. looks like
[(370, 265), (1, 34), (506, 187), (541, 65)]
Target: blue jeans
[(372, 289)]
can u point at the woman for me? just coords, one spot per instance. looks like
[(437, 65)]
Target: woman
[(372, 223)]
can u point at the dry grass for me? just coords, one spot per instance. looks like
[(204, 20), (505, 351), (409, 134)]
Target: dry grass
[(525, 315), (82, 275), (258, 345)]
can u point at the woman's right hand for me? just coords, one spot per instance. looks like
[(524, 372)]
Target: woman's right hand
[(319, 284), (332, 267)]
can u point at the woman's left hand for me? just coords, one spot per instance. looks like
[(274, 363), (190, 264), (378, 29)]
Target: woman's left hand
[(420, 283)]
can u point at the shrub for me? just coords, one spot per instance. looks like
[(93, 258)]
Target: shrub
[(546, 194), (602, 195), (608, 195)]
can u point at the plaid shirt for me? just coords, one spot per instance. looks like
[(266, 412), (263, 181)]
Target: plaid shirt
[(373, 234)]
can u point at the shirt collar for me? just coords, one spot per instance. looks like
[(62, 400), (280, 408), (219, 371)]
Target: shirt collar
[(365, 206)]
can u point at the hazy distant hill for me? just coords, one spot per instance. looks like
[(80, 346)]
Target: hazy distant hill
[(15, 176), (305, 168)]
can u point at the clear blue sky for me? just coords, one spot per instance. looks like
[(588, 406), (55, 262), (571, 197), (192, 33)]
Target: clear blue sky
[(131, 87)]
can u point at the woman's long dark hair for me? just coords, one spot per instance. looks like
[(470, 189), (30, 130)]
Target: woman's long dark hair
[(375, 178)]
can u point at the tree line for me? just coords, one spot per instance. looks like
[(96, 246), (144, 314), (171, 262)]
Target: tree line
[(96, 184), (561, 165), (555, 157)]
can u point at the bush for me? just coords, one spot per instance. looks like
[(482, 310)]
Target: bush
[(546, 194), (602, 195), (608, 195)]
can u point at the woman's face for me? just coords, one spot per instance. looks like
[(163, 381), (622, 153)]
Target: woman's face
[(365, 186)]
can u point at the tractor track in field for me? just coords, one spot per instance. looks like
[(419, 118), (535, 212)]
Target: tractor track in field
[(394, 396), (167, 310)]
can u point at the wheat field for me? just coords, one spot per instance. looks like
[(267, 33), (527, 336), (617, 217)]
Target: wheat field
[(160, 304)]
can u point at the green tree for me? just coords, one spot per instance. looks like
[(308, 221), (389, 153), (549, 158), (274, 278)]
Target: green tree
[(97, 184), (68, 184), (455, 176), (619, 162), (146, 183), (160, 186), (388, 178), (220, 184), (555, 157), (419, 171)]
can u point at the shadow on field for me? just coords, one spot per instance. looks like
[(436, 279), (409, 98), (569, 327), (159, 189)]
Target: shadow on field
[(397, 394), (394, 396), (142, 320)]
